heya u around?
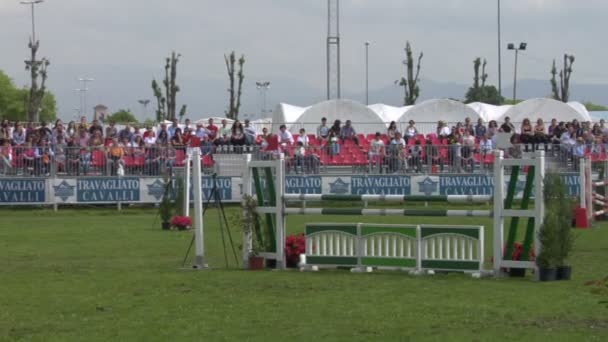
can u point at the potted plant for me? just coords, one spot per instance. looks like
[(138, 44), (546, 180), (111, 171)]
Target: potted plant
[(563, 208), (294, 246), (165, 208), (250, 224), (554, 235)]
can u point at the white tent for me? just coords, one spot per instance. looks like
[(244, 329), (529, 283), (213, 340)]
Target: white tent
[(545, 109), (446, 110), (579, 107), (389, 113), (364, 120), (216, 120), (286, 114), (488, 112)]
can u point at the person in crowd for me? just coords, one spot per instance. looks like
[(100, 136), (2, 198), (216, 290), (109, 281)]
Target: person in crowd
[(348, 133), (596, 130), (377, 152), (6, 156), (507, 126), (177, 141), (526, 133), (18, 137), (163, 135), (115, 153), (322, 131), (95, 126), (492, 129), (578, 129), (414, 156), (173, 128), (336, 128), (138, 147), (303, 138), (126, 133), (443, 131), (552, 127), (485, 145), (312, 160), (149, 136), (188, 125), (211, 129), (395, 152), (299, 154), (250, 133), (201, 132), (83, 124), (411, 131), (515, 150), (391, 130), (5, 130), (96, 141), (603, 127), (57, 132), (467, 150), (237, 134), (285, 136), (333, 143), (540, 134), (73, 163), (72, 130), (152, 160), (468, 126), (224, 129), (44, 132), (480, 129)]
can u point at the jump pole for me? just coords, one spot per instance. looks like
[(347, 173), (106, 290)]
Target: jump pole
[(199, 261)]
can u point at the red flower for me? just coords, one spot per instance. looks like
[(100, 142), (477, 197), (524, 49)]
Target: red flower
[(294, 246), (181, 221)]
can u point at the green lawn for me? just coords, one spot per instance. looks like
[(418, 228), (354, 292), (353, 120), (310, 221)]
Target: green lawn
[(99, 274)]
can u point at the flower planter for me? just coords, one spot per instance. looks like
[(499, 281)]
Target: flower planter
[(256, 263), (166, 225), (547, 274), (564, 272)]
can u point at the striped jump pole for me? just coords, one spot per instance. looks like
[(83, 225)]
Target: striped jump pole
[(389, 198), (388, 212)]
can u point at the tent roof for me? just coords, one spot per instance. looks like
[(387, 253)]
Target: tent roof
[(440, 109), (363, 118), (545, 109), (389, 113), (488, 112)]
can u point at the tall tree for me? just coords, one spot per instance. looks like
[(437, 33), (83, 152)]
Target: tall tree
[(561, 92), (38, 73), (122, 116), (410, 82), (234, 103), (167, 101), (482, 92), (14, 102)]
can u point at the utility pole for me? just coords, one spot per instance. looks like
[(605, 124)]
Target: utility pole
[(83, 92), (333, 49), (499, 56), (367, 73)]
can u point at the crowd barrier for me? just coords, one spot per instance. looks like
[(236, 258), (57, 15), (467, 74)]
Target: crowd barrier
[(111, 190)]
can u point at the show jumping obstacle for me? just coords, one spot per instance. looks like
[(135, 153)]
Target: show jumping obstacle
[(355, 246)]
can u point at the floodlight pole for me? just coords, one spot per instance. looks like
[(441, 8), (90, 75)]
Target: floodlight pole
[(522, 46), (499, 56), (263, 88), (367, 73)]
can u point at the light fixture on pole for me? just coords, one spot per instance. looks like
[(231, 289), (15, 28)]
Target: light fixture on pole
[(367, 73), (83, 91), (32, 3), (144, 103), (522, 47), (263, 87)]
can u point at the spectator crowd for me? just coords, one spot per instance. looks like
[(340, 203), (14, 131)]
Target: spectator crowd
[(82, 148)]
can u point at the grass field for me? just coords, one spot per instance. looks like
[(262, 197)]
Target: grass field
[(99, 274)]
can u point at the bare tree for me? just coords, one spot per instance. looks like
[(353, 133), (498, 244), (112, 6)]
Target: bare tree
[(166, 103), (410, 84), (561, 92), (234, 104), (38, 70)]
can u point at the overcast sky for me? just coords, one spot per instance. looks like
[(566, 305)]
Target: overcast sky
[(123, 43)]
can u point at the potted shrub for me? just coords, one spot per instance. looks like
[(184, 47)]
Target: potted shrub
[(181, 222), (250, 224), (294, 246), (554, 235), (546, 259), (165, 208)]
